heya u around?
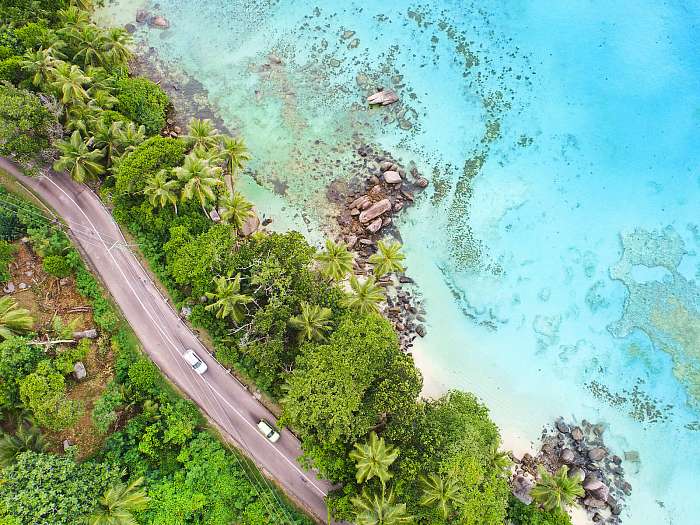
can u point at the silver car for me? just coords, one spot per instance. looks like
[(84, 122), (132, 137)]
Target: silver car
[(195, 362)]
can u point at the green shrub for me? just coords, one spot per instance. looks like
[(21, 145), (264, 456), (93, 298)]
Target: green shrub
[(102, 311), (104, 412), (6, 52), (24, 123), (57, 265), (17, 360), (44, 393), (143, 101), (7, 253), (144, 378), (11, 70), (521, 514), (43, 488), (145, 161), (66, 358), (34, 35)]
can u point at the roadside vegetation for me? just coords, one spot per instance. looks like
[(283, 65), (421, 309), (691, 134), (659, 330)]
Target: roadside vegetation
[(293, 319), (117, 445)]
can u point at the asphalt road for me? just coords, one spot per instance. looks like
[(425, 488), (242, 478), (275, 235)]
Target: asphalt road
[(165, 337)]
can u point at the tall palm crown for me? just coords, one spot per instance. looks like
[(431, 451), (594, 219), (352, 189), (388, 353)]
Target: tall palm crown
[(440, 492), (131, 136), (115, 43), (380, 509), (230, 301), (77, 159), (70, 82), (387, 259), (39, 65), (162, 191), (82, 118), (201, 132), (199, 178), (25, 439), (366, 295), (236, 210), (373, 459), (557, 490), (13, 320), (88, 42), (108, 139), (312, 322), (336, 261), (119, 502), (73, 16), (85, 5), (235, 154)]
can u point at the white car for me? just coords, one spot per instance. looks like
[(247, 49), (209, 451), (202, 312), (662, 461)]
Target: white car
[(268, 431), (195, 362)]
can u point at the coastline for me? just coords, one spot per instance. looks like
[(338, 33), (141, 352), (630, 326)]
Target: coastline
[(433, 376)]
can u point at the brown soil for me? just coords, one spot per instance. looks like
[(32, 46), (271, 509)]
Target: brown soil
[(46, 297)]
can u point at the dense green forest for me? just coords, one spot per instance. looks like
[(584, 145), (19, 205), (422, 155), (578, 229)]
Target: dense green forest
[(291, 318)]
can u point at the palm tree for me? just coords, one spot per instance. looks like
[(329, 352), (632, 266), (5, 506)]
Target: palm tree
[(85, 5), (199, 179), (82, 118), (70, 81), (161, 191), (556, 491), (115, 44), (236, 210), (379, 509), (101, 99), (336, 261), (387, 259), (439, 491), (118, 503), (374, 459), (73, 16), (312, 322), (235, 154), (500, 461), (78, 159), (40, 66), (202, 133), (13, 320), (229, 299), (25, 439), (87, 40), (108, 138), (366, 295)]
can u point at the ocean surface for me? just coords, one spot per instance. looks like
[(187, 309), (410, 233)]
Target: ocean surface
[(556, 249)]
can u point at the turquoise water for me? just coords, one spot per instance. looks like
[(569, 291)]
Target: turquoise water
[(557, 246)]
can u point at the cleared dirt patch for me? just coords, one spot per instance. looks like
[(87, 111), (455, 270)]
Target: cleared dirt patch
[(48, 297)]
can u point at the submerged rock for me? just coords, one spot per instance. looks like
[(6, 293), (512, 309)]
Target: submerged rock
[(159, 22), (384, 97)]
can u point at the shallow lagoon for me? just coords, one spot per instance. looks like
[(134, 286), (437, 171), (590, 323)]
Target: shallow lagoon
[(556, 249)]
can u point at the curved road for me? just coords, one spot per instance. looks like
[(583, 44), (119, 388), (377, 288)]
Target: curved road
[(165, 337)]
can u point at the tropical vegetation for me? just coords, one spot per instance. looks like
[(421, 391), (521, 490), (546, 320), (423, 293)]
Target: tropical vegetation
[(292, 319)]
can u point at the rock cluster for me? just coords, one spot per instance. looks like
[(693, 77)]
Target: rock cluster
[(145, 17), (581, 448), (383, 189), (171, 129)]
